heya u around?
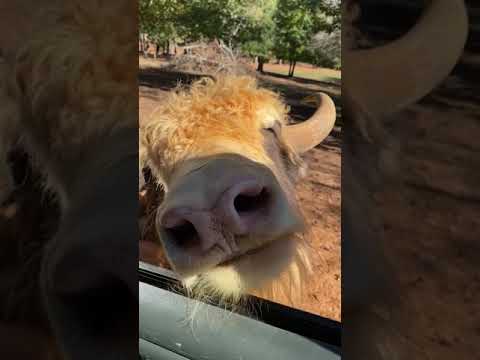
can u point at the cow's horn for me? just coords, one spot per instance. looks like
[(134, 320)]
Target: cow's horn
[(306, 135), (385, 79)]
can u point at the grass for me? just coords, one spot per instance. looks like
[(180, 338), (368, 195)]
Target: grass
[(319, 74)]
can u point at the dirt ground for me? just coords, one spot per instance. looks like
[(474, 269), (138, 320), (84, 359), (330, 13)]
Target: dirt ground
[(319, 193)]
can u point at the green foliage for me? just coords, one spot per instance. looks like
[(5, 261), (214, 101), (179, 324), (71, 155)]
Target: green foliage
[(297, 21), (294, 26), (158, 19), (329, 10), (215, 19), (325, 50), (257, 39)]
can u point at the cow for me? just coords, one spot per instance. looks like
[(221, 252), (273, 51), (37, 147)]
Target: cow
[(410, 181), (69, 100), (227, 161)]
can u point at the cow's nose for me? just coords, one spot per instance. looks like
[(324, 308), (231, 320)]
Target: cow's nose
[(237, 211), (242, 205)]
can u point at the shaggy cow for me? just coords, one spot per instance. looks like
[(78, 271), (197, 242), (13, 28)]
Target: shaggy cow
[(227, 161), (69, 99), (410, 195)]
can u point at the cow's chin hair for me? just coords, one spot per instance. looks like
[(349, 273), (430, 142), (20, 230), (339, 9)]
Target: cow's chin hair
[(276, 271)]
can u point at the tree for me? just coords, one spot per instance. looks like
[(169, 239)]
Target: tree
[(325, 49), (257, 39), (293, 29), (328, 15), (325, 46), (158, 19), (296, 23), (215, 19)]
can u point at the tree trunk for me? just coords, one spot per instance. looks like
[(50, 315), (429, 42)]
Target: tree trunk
[(157, 48), (260, 61), (166, 49), (144, 45), (293, 67)]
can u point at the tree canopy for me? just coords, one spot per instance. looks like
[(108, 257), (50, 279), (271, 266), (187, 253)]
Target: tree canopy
[(284, 29)]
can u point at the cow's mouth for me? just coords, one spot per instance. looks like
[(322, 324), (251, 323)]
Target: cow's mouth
[(249, 271), (263, 249)]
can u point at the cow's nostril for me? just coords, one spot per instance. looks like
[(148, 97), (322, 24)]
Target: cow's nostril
[(183, 234), (249, 202)]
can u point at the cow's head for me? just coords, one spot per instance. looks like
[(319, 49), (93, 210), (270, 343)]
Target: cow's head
[(227, 161)]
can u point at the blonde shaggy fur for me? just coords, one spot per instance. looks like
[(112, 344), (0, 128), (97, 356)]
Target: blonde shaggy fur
[(210, 118), (214, 117)]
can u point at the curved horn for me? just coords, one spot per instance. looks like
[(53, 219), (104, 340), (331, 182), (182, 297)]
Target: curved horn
[(308, 134), (387, 78)]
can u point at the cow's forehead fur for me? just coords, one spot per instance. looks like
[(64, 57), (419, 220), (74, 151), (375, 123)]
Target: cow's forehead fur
[(210, 118)]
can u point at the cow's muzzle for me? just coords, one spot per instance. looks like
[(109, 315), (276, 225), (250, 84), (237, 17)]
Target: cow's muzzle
[(228, 206)]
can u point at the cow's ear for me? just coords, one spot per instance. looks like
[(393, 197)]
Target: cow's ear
[(297, 167), (153, 183), (146, 178), (151, 191), (147, 174)]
